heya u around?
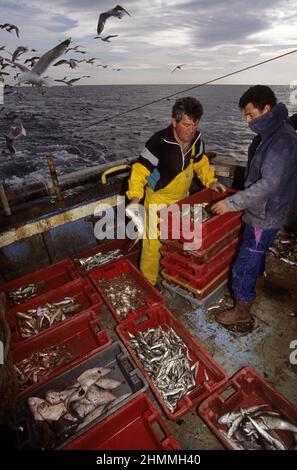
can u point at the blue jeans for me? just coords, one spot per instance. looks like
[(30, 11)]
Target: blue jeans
[(250, 261)]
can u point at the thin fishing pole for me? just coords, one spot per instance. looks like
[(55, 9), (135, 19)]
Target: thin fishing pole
[(109, 118)]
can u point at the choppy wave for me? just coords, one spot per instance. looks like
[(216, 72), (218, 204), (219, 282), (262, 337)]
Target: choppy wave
[(58, 123)]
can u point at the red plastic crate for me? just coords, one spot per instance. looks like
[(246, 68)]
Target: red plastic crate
[(201, 256), (84, 294), (198, 280), (213, 229), (185, 260), (132, 427), (199, 293), (250, 389), (48, 278), (111, 245), (154, 317), (81, 336), (112, 270), (122, 368)]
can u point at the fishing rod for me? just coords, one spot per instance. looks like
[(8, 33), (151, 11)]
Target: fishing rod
[(109, 118)]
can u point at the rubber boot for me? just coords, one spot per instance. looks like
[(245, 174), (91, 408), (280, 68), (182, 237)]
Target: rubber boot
[(237, 315)]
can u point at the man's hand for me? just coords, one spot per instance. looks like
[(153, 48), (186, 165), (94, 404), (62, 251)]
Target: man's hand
[(216, 186), (220, 208)]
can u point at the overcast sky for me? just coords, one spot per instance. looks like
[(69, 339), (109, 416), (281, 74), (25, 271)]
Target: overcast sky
[(211, 37)]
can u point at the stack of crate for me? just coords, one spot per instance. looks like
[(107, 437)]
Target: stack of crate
[(199, 265)]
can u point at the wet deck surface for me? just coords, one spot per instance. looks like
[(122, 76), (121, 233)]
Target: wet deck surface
[(266, 349)]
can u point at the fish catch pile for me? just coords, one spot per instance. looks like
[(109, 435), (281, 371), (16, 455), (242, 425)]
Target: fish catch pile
[(201, 212), (254, 428), (99, 259), (23, 293), (39, 364), (166, 359), (61, 413), (34, 320), (123, 293), (285, 248)]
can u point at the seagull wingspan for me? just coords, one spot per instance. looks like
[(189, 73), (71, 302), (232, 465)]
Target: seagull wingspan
[(47, 58), (117, 11), (101, 22), (22, 67)]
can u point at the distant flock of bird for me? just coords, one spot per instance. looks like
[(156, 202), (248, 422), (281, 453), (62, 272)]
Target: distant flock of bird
[(38, 65), (35, 74)]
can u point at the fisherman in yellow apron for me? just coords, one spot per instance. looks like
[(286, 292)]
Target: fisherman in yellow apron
[(166, 168)]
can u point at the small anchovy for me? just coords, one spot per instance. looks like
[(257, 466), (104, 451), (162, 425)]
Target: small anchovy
[(292, 263), (285, 248), (213, 307), (166, 359), (277, 443), (254, 428), (99, 259), (44, 316), (22, 293)]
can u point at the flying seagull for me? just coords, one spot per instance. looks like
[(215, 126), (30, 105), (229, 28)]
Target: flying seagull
[(17, 129), (32, 60), (72, 80), (107, 38), (73, 63), (91, 60), (34, 75), (19, 50), (75, 48), (117, 11), (177, 67), (9, 27)]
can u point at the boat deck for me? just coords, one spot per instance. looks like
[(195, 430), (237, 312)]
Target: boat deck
[(266, 349)]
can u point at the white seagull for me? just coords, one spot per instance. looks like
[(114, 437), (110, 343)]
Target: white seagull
[(34, 75), (17, 129)]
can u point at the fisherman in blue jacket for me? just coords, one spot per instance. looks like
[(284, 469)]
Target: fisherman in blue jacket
[(268, 197)]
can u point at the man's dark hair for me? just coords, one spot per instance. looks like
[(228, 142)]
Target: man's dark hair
[(259, 96), (188, 105)]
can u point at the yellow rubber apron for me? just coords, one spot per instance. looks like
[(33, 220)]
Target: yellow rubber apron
[(177, 189)]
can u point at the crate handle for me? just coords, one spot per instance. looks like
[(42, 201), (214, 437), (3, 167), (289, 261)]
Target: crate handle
[(230, 391), (142, 319), (125, 364), (158, 429)]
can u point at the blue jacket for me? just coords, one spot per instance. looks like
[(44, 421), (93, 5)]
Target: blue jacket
[(271, 179)]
